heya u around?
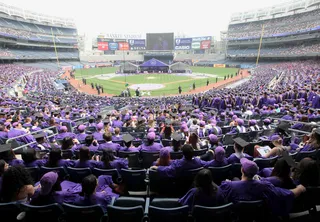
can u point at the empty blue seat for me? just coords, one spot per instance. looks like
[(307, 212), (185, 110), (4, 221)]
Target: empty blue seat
[(92, 213), (266, 163), (133, 158), (220, 174), (77, 174), (134, 179), (148, 158), (111, 172), (51, 212), (303, 154), (169, 211), (10, 210), (209, 214)]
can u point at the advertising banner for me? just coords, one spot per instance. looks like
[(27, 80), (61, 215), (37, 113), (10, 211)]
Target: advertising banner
[(113, 46), (103, 46), (200, 39), (205, 44), (123, 46), (182, 43), (160, 41), (195, 45), (137, 44), (219, 65)]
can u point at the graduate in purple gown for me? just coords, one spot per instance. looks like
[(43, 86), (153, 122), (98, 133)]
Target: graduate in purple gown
[(239, 146), (109, 144), (85, 159), (17, 130), (55, 159), (177, 167), (128, 147), (81, 135), (51, 192), (63, 132), (150, 145), (70, 144), (279, 200), (3, 133), (29, 157), (238, 127), (109, 161), (280, 176), (99, 134), (206, 192), (253, 126), (117, 136), (219, 158), (90, 142), (164, 158), (89, 196)]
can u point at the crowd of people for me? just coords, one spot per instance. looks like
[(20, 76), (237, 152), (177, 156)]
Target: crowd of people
[(297, 50), (194, 127), (290, 24)]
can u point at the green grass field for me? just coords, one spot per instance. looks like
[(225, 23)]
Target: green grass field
[(116, 84)]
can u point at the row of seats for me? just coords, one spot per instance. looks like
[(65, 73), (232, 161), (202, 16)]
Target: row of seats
[(128, 209)]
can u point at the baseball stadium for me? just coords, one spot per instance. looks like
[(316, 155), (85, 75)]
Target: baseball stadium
[(109, 112)]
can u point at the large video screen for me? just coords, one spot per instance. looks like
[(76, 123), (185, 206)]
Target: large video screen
[(159, 41)]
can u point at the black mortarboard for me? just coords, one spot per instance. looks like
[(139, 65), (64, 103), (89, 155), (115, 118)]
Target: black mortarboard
[(39, 135), (241, 142), (176, 136), (127, 138), (5, 148), (292, 111), (106, 122)]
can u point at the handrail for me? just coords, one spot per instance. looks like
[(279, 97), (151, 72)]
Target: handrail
[(25, 145), (32, 133), (293, 121)]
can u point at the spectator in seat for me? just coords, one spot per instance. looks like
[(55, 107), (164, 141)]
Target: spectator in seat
[(150, 145), (85, 159), (109, 161), (109, 144), (239, 145), (206, 192)]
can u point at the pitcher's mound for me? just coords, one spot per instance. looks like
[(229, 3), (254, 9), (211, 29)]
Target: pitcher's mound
[(149, 86)]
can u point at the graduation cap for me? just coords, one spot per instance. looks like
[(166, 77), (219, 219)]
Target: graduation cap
[(127, 138), (176, 136), (106, 122), (5, 148), (241, 142), (39, 135)]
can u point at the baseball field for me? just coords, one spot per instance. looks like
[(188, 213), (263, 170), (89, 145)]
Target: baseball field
[(152, 84)]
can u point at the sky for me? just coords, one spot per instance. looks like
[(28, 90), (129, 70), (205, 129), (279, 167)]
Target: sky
[(190, 18)]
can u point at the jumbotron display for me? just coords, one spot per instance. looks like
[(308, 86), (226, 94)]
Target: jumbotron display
[(160, 41)]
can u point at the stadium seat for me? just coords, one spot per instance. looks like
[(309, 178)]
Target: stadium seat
[(133, 158), (164, 187), (209, 214), (168, 210), (111, 172), (220, 174), (10, 210), (60, 170), (228, 139), (303, 154), (34, 173), (176, 155), (266, 163), (51, 212), (127, 209), (244, 136), (84, 213), (199, 152), (148, 158), (166, 142), (236, 170), (67, 154), (229, 150), (250, 211), (225, 129), (134, 180), (77, 174)]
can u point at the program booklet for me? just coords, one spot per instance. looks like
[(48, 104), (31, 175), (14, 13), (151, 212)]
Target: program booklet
[(264, 150)]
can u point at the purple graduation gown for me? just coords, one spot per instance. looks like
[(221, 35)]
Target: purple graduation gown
[(234, 159), (36, 163), (198, 197), (118, 164), (279, 200), (114, 146), (179, 166), (102, 198), (84, 164), (155, 147)]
